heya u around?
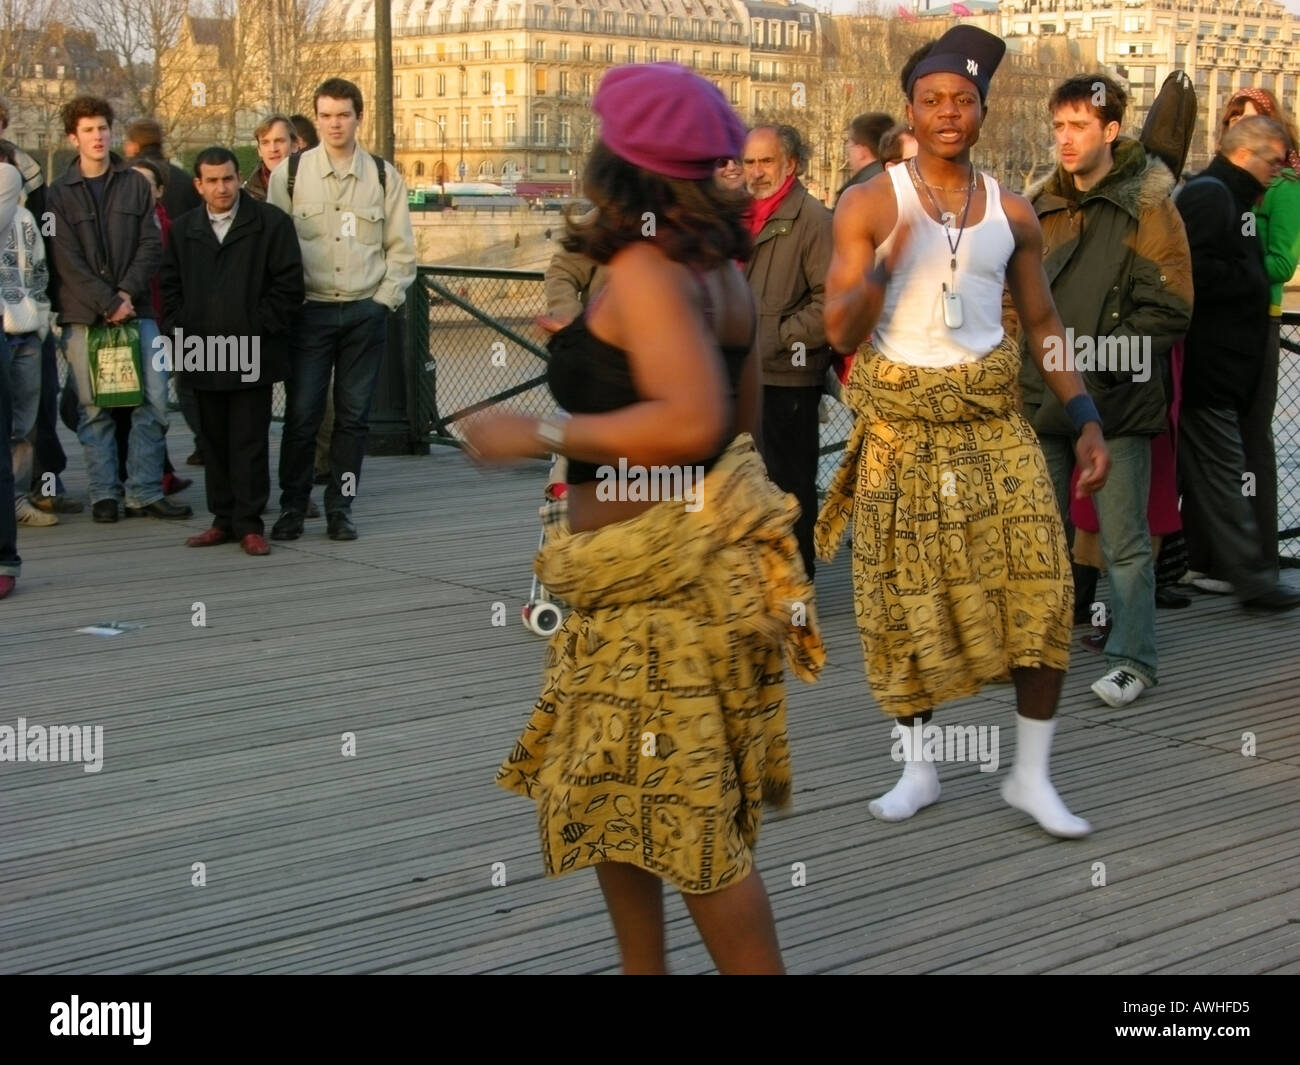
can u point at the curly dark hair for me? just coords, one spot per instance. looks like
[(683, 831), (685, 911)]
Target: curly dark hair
[(695, 222)]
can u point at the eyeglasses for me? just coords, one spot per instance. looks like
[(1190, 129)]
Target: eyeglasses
[(1273, 163), (724, 161)]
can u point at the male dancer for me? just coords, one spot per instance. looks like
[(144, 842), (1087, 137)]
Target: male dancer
[(960, 567)]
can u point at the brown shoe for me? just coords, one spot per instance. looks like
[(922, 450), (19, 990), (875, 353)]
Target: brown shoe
[(255, 545), (208, 538)]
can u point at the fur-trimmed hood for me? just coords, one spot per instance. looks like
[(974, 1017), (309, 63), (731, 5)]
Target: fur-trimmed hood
[(1137, 182)]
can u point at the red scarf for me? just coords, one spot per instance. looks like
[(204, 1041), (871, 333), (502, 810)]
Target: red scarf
[(761, 210)]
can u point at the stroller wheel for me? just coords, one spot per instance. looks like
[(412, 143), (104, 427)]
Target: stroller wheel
[(543, 618)]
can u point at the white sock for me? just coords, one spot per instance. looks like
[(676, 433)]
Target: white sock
[(1028, 787), (916, 788)]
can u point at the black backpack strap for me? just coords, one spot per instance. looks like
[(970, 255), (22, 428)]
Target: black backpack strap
[(293, 173), (383, 171)]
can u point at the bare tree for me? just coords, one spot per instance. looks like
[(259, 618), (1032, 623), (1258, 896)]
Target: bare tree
[(20, 21), (138, 33)]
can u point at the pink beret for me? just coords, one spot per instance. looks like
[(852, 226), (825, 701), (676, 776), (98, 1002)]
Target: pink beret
[(667, 119)]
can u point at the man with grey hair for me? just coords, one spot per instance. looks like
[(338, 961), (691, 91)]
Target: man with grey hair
[(787, 272), (1224, 357)]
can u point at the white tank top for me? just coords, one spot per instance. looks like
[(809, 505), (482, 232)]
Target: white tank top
[(911, 327)]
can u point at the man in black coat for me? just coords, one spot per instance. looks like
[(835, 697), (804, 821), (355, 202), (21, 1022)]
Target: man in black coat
[(231, 282), (1225, 349)]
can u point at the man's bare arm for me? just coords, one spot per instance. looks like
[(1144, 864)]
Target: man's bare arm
[(855, 282), (1038, 319)]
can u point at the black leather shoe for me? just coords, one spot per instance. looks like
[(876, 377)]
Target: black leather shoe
[(104, 511), (161, 508), (1278, 599), (1168, 598), (288, 526), (340, 526)]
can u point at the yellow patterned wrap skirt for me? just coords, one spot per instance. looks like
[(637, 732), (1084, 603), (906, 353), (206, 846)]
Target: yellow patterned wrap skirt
[(960, 569), (661, 726)]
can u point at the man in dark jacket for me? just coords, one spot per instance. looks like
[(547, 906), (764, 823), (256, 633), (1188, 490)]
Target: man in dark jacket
[(1225, 350), (792, 250), (1116, 255), (862, 145), (232, 283), (144, 137), (106, 248)]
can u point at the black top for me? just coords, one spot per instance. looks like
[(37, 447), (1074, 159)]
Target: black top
[(586, 375)]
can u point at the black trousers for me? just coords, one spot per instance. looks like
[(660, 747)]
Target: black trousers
[(791, 439), (236, 426)]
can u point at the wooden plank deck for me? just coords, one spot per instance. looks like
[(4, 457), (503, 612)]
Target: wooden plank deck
[(222, 745)]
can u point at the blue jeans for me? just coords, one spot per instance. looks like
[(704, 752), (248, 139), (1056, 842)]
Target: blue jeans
[(97, 431), (1125, 545), (25, 398), (347, 339), (10, 563)]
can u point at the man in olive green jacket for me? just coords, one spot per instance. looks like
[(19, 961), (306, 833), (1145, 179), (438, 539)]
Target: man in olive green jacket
[(1116, 255)]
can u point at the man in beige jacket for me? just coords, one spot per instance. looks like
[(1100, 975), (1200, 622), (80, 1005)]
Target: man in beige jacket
[(358, 254)]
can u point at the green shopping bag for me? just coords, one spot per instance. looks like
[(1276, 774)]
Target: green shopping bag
[(114, 356)]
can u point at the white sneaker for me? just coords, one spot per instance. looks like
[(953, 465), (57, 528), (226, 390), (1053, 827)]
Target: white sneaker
[(1119, 687), (1205, 583), (30, 515)]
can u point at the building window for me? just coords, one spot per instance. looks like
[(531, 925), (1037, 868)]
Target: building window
[(717, 60), (397, 85), (695, 59), (564, 49), (510, 49), (631, 53), (735, 61), (419, 133), (653, 22), (419, 168), (715, 29), (676, 55), (609, 53), (485, 168), (735, 94), (588, 20), (464, 51), (464, 129), (652, 54), (633, 25), (419, 85), (464, 82), (539, 128), (487, 129), (487, 49), (611, 22), (564, 131), (510, 82), (564, 83), (586, 85), (539, 14), (540, 83), (564, 18), (586, 53), (510, 127), (539, 50), (697, 28), (442, 129), (485, 83)]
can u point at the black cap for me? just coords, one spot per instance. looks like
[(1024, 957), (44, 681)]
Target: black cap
[(966, 50)]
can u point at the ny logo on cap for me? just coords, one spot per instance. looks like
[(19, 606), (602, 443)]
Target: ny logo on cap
[(972, 67)]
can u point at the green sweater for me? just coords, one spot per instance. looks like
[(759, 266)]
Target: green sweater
[(1278, 219)]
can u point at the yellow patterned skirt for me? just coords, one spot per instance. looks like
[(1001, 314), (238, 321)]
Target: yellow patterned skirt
[(660, 730), (960, 569)]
